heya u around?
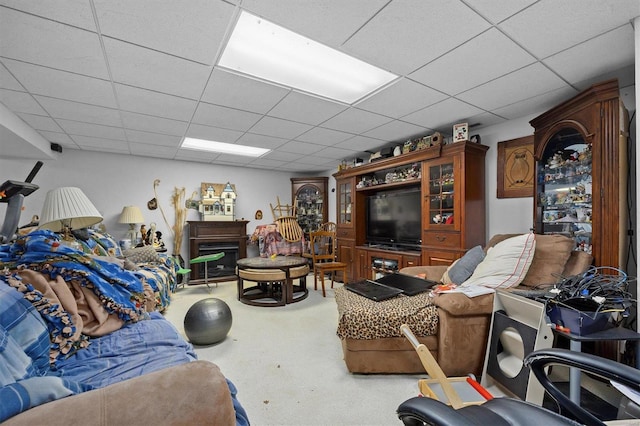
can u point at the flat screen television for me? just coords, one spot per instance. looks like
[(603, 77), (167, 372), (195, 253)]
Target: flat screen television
[(393, 218)]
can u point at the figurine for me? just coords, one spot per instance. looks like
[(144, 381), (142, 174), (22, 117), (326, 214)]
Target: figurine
[(143, 234)]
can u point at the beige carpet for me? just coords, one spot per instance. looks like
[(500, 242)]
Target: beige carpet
[(287, 363)]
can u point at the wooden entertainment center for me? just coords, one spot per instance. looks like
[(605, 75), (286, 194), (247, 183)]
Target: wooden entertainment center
[(451, 181)]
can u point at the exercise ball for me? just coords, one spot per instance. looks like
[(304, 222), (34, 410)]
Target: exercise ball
[(207, 321)]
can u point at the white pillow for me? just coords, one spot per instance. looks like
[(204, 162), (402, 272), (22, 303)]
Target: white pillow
[(506, 263)]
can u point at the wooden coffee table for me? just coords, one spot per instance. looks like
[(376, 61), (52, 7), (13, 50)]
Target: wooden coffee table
[(274, 280)]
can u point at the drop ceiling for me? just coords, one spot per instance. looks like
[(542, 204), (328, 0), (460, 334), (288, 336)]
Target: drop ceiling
[(135, 77)]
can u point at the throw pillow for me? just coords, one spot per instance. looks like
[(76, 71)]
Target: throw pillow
[(144, 254), (461, 269), (551, 256), (505, 264)]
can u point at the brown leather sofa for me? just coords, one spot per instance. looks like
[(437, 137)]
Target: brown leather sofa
[(192, 393), (463, 323)]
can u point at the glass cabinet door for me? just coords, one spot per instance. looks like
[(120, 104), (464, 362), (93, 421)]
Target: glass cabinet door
[(309, 208), (441, 195), (564, 198), (344, 202)]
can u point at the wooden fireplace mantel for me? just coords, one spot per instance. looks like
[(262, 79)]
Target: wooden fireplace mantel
[(215, 233)]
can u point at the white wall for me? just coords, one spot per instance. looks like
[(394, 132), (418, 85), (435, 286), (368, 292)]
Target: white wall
[(112, 181)]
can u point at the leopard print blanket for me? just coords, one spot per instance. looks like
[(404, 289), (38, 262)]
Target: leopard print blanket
[(362, 318)]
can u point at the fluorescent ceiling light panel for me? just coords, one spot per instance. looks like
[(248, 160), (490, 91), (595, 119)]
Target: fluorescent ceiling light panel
[(224, 148), (262, 49)]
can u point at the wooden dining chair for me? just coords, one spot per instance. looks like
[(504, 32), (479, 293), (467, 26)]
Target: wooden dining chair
[(323, 253)]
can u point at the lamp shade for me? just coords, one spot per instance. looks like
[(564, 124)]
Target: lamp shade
[(68, 207), (131, 214)]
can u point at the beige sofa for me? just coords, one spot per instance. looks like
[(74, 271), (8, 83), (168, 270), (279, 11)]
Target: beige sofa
[(458, 325), (194, 393)]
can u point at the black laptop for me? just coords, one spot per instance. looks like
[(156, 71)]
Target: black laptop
[(408, 284), (373, 290)]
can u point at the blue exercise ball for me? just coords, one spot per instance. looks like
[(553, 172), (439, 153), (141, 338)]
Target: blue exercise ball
[(208, 321)]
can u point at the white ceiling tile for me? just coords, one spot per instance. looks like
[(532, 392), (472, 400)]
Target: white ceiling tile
[(148, 102), (576, 64), (152, 150), (153, 138), (74, 12), (496, 11), (20, 102), (310, 18), (226, 118), (266, 163), (39, 122), (111, 144), (281, 156), (39, 41), (481, 59), (400, 98), (150, 123), (235, 91), (279, 128), (361, 143), (107, 148), (481, 120), (7, 81), (303, 108), (300, 147), (233, 159), (396, 130), (149, 69), (58, 108), (322, 136), (355, 121), (401, 42), (59, 138), (88, 129), (536, 104), (191, 29), (435, 116), (562, 24), (335, 153), (260, 141), (62, 84), (510, 88), (209, 133)]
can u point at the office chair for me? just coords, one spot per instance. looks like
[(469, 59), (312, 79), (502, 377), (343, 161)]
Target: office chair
[(508, 411)]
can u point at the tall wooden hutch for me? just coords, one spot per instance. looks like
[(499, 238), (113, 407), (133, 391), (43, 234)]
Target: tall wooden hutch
[(451, 181), (581, 173)]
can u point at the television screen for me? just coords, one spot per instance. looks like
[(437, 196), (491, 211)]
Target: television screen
[(394, 218)]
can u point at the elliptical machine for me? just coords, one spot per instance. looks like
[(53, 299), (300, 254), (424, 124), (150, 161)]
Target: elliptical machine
[(13, 192)]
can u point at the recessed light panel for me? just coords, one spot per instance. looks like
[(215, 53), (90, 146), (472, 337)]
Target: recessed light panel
[(265, 50), (222, 147)]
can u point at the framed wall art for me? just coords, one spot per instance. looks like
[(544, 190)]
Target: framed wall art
[(516, 168)]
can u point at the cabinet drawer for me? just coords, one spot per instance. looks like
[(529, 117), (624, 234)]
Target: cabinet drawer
[(345, 233), (442, 239)]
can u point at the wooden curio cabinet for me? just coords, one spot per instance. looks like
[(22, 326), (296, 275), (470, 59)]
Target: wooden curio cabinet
[(454, 203), (345, 216), (581, 173), (310, 196), (450, 181)]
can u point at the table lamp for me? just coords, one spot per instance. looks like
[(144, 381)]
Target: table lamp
[(66, 209), (131, 215)]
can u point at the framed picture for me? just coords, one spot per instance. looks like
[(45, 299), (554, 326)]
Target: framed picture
[(516, 168), (460, 132)]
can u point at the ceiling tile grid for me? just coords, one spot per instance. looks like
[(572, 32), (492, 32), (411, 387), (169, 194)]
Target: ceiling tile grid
[(135, 78)]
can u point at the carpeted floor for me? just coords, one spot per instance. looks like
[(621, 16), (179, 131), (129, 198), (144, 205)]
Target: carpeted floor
[(287, 363)]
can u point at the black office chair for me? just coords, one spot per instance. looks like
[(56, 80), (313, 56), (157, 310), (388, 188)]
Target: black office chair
[(507, 411)]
